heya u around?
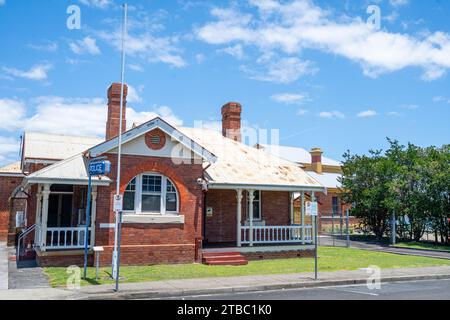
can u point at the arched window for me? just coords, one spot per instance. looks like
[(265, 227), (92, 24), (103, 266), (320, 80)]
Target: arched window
[(150, 193)]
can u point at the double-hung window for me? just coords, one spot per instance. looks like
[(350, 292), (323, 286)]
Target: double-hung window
[(151, 193)]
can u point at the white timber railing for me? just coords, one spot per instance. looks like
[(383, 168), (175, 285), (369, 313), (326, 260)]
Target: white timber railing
[(277, 234), (65, 238)]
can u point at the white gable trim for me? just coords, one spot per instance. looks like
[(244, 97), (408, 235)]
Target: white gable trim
[(146, 127)]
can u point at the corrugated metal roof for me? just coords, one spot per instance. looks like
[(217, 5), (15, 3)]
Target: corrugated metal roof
[(329, 180), (294, 154), (239, 164), (72, 170), (56, 146), (11, 168)]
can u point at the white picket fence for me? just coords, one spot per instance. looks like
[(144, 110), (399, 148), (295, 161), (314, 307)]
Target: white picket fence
[(277, 234)]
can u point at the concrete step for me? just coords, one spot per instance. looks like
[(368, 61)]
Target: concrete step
[(221, 254), (230, 262), (224, 258)]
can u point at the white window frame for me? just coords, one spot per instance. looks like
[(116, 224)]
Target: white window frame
[(138, 196)]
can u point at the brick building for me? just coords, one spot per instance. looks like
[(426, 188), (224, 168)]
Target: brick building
[(188, 193)]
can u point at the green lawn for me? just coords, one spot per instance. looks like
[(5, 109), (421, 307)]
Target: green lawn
[(330, 259), (423, 245)]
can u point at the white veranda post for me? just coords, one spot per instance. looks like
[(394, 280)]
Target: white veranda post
[(238, 216), (37, 235), (251, 197), (302, 213), (44, 214)]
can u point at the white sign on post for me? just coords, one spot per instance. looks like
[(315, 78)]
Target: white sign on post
[(311, 208), (118, 200)]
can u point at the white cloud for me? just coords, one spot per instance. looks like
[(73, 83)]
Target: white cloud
[(393, 114), (302, 112), (234, 51), (148, 47), (133, 94), (73, 116), (136, 67), (49, 46), (102, 4), (86, 46), (200, 58), (9, 150), (332, 115), (398, 3), (367, 114), (285, 70), (409, 106), (290, 27), (37, 72), (139, 117), (289, 98), (441, 99), (12, 112)]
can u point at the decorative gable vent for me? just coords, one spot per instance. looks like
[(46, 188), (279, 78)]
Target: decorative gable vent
[(155, 139)]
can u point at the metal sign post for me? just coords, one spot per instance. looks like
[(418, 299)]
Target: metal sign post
[(347, 224), (394, 228), (97, 167), (312, 210), (118, 213)]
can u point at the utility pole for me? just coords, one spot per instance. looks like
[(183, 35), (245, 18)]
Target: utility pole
[(118, 213)]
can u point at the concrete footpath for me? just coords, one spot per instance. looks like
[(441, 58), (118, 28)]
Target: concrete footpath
[(3, 266), (174, 288)]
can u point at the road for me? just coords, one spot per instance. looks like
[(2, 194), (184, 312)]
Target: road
[(413, 290)]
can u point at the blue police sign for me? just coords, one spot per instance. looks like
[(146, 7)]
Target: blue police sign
[(97, 168)]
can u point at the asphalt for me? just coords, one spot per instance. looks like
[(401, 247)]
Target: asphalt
[(224, 285), (411, 290)]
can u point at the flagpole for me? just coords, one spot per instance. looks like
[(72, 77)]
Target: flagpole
[(118, 214)]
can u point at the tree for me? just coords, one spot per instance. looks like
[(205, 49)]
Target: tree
[(413, 181), (366, 184)]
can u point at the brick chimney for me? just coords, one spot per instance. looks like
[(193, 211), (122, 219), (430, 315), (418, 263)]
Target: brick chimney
[(316, 159), (231, 121), (112, 122)]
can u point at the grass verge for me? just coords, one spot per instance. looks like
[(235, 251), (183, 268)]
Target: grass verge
[(423, 246), (330, 259)]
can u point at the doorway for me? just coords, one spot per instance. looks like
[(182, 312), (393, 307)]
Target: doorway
[(60, 207)]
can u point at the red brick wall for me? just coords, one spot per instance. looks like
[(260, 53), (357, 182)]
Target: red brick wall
[(7, 186), (279, 254), (221, 227), (153, 243)]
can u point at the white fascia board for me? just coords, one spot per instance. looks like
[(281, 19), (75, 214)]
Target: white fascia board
[(68, 181), (218, 186), (146, 127)]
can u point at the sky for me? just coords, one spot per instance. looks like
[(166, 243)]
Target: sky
[(340, 75)]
